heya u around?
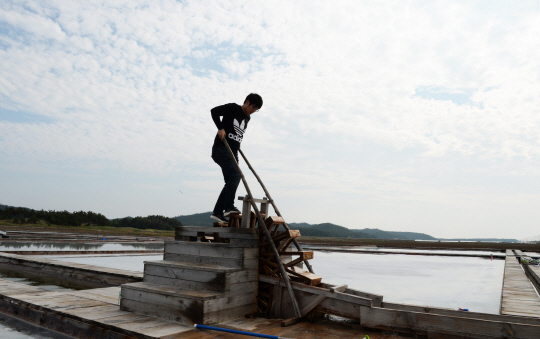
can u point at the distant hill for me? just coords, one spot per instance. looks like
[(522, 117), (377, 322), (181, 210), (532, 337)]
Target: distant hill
[(317, 230), (199, 219), (321, 230), (482, 239), (328, 230), (3, 207), (379, 234)]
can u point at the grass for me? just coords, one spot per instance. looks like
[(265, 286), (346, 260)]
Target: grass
[(6, 225)]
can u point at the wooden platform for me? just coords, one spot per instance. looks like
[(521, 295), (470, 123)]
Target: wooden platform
[(518, 295), (91, 313), (95, 314)]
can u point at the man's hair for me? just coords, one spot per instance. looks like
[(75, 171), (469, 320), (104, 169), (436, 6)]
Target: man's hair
[(255, 100)]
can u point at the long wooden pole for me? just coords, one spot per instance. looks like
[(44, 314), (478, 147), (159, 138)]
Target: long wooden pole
[(308, 265), (268, 236)]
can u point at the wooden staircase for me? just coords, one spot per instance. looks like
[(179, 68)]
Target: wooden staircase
[(200, 280)]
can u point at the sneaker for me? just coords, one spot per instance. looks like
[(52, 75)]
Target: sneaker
[(218, 217), (232, 210)]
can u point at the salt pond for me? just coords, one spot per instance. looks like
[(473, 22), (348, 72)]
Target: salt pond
[(59, 246), (123, 262), (450, 282)]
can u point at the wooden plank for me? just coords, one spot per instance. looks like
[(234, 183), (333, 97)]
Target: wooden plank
[(275, 310), (340, 288), (167, 331), (196, 259), (183, 271), (62, 322), (246, 198), (230, 301), (304, 255), (422, 324), (205, 273), (108, 295), (518, 295), (320, 291), (340, 308), (290, 321), (454, 313), (141, 323), (215, 287), (124, 318), (166, 291), (229, 314), (97, 312), (274, 220), (67, 302), (306, 276), (165, 312), (312, 304)]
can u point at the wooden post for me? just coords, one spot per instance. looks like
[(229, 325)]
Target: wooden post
[(246, 212), (308, 265), (267, 235), (264, 207)]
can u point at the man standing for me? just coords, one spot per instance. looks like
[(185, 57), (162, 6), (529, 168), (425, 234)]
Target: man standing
[(232, 126)]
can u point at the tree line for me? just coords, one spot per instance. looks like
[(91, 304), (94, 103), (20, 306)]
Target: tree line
[(22, 215)]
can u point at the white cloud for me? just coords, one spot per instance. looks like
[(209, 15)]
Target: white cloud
[(129, 84)]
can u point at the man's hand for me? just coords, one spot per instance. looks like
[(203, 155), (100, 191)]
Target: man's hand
[(221, 133)]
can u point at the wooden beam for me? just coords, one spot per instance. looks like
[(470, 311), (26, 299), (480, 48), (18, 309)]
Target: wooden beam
[(249, 199), (350, 298), (295, 242), (340, 288), (423, 324), (312, 304), (266, 234), (291, 321)]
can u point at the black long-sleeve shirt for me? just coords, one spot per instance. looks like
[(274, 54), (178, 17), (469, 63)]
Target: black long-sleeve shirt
[(234, 123)]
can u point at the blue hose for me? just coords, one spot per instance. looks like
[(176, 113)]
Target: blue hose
[(236, 331)]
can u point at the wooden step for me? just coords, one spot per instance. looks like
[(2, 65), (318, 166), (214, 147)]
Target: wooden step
[(274, 220), (185, 307), (303, 255), (227, 255), (303, 276), (235, 236), (200, 277)]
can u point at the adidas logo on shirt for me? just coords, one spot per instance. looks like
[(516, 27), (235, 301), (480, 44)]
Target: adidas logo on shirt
[(239, 128)]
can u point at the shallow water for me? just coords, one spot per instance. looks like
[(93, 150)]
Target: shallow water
[(449, 282), (123, 262), (58, 246)]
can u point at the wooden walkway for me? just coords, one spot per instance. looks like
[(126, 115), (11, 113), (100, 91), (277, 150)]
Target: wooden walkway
[(78, 313), (518, 295), (95, 313)]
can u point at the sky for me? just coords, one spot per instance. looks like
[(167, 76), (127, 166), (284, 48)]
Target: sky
[(418, 116)]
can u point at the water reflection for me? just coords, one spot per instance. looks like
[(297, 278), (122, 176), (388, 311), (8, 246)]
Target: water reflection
[(33, 246)]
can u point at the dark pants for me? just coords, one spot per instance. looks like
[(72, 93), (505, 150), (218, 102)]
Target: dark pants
[(232, 177)]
